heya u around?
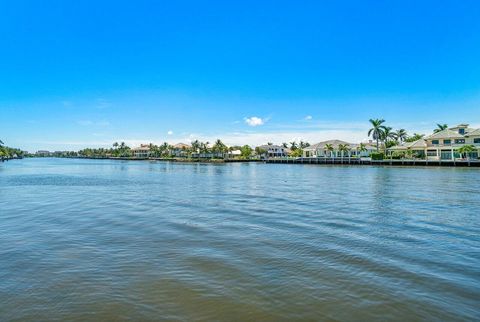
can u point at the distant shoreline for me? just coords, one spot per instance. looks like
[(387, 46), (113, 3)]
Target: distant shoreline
[(304, 161)]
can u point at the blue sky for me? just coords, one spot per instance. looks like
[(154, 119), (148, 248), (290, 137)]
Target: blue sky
[(88, 73)]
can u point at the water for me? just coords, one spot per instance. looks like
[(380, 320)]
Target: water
[(86, 240)]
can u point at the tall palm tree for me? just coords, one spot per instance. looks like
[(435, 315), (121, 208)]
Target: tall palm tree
[(388, 134), (440, 127), (343, 148), (377, 130), (401, 135), (329, 148), (293, 146)]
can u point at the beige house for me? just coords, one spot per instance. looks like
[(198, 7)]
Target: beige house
[(143, 151), (444, 145), (320, 150), (180, 150)]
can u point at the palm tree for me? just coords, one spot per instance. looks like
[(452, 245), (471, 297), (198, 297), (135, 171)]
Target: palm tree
[(401, 135), (293, 146), (466, 150), (377, 130), (1, 143), (388, 135), (440, 127), (414, 137), (329, 148), (195, 146), (219, 147), (343, 148), (285, 145), (115, 145), (362, 147), (304, 145)]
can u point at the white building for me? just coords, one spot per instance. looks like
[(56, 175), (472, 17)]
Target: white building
[(273, 151), (333, 149), (444, 145)]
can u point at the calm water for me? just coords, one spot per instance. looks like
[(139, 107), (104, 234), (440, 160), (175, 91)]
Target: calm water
[(111, 240)]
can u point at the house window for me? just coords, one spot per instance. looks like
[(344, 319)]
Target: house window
[(435, 142), (477, 140), (432, 153), (459, 141), (447, 142), (461, 131)]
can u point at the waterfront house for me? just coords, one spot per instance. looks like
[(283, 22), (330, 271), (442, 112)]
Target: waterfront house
[(233, 154), (444, 145), (180, 150), (273, 151), (143, 151), (321, 150)]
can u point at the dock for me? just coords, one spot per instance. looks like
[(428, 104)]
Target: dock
[(385, 162)]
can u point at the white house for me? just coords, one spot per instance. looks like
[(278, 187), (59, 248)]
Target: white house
[(273, 151), (444, 145), (332, 149)]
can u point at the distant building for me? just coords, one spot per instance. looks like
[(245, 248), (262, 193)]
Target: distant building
[(180, 150), (273, 151), (321, 149), (43, 153), (143, 151)]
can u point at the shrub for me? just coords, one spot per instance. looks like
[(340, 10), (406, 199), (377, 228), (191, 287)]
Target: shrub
[(377, 156)]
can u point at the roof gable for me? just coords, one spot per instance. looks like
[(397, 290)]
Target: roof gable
[(445, 134)]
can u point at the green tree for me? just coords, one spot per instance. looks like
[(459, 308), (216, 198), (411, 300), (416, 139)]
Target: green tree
[(466, 150), (414, 137), (293, 146), (219, 147), (259, 151), (343, 148), (401, 135), (377, 130), (329, 148), (361, 148), (246, 151), (440, 127)]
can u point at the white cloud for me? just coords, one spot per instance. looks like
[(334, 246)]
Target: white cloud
[(308, 118), (254, 121), (170, 132)]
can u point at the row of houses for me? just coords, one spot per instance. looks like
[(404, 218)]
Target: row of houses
[(443, 145), (182, 150)]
